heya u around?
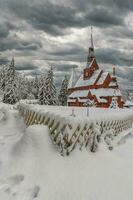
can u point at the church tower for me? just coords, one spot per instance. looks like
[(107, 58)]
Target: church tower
[(91, 61)]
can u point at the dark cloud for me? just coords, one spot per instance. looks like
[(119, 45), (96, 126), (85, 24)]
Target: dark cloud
[(4, 31), (122, 32), (130, 74), (113, 56), (64, 67), (69, 52), (69, 49), (3, 61), (18, 44), (25, 67), (45, 16), (104, 17), (5, 28), (111, 4), (127, 60), (128, 4), (56, 18)]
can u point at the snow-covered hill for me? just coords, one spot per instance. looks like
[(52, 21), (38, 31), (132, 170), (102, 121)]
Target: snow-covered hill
[(30, 167)]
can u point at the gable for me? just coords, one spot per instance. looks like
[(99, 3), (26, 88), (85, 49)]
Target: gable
[(107, 81), (88, 72), (91, 81), (102, 78)]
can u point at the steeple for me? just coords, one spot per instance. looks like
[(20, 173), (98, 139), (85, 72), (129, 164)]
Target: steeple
[(91, 53), (92, 45)]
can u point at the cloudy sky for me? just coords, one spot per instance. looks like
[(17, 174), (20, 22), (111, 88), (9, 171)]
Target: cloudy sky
[(43, 33)]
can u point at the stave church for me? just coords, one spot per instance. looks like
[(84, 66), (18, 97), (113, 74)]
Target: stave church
[(95, 87)]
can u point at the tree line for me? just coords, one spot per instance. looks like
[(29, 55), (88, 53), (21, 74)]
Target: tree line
[(15, 86)]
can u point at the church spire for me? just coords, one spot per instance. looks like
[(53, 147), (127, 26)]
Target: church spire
[(91, 53), (92, 45)]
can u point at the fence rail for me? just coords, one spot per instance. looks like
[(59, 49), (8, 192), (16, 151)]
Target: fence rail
[(69, 133)]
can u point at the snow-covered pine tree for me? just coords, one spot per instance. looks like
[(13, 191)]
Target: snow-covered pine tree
[(23, 86), (41, 93), (11, 91), (7, 75), (3, 77), (11, 94), (114, 103), (11, 72), (63, 92), (48, 94), (29, 87), (35, 87)]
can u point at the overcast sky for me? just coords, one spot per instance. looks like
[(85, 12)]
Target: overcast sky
[(41, 33)]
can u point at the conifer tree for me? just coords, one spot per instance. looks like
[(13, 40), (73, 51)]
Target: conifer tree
[(41, 93), (11, 92), (23, 89), (48, 91), (35, 87), (11, 72), (3, 77), (63, 92), (29, 87)]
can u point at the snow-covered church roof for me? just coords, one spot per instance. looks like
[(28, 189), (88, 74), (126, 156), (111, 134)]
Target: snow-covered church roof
[(79, 93), (90, 81)]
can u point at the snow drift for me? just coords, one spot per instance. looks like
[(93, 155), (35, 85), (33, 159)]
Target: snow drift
[(30, 167)]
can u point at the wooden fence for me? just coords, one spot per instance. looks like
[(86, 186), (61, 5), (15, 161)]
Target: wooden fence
[(69, 133)]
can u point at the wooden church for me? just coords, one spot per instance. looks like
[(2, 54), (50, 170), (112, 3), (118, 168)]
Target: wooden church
[(95, 85)]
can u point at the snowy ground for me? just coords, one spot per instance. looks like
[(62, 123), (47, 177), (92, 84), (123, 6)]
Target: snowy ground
[(30, 167)]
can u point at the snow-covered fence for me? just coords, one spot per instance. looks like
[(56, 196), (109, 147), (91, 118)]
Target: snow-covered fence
[(69, 132)]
